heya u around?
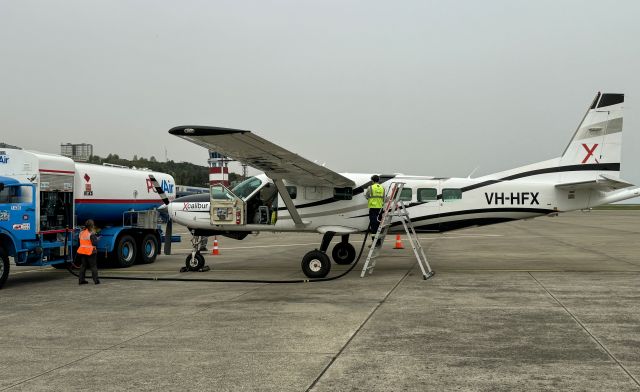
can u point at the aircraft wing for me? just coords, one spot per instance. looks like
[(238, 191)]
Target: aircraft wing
[(275, 161), (604, 183)]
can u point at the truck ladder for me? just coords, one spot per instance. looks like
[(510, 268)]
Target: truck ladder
[(394, 207)]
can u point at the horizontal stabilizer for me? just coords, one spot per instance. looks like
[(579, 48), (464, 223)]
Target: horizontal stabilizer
[(604, 183), (275, 161)]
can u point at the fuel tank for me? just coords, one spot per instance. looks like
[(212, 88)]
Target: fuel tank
[(104, 193)]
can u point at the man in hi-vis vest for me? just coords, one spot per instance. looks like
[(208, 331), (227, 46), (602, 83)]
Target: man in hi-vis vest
[(375, 198), (87, 252)]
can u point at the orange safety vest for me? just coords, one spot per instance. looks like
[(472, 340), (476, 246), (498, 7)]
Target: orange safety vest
[(86, 247)]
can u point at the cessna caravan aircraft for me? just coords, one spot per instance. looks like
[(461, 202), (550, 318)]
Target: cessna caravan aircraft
[(296, 195)]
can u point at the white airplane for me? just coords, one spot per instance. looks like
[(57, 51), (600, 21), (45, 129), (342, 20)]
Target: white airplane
[(296, 195)]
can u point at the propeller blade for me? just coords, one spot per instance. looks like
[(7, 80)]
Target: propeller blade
[(158, 189)]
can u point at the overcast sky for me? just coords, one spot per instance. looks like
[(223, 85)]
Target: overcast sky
[(419, 87)]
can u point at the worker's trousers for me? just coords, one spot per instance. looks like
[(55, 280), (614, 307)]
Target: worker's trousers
[(88, 261)]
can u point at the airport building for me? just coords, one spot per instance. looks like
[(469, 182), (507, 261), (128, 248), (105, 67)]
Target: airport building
[(78, 152)]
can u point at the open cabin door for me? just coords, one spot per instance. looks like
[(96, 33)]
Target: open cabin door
[(226, 207)]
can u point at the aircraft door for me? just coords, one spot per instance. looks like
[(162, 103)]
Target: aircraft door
[(226, 207)]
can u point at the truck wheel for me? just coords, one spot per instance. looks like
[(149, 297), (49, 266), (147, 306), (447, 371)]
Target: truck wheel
[(343, 253), (194, 263), (316, 264), (148, 249), (125, 253), (4, 267)]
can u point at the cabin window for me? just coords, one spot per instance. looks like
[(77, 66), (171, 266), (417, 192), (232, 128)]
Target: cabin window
[(292, 191), (219, 192), (343, 193), (427, 194), (247, 187), (451, 194), (406, 194)]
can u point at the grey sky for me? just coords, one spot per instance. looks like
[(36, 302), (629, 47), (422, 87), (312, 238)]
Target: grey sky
[(442, 87)]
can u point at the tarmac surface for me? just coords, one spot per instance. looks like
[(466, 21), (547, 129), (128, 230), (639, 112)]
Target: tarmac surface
[(544, 304)]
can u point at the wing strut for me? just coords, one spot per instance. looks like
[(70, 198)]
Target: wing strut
[(288, 202)]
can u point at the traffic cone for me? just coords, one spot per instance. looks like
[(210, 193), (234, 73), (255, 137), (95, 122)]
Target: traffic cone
[(398, 243), (215, 250)]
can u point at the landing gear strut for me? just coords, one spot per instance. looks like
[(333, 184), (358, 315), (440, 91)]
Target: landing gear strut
[(316, 264)]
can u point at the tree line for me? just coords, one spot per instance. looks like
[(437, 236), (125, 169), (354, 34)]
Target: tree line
[(184, 173)]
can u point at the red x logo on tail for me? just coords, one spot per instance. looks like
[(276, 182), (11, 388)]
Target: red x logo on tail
[(589, 152)]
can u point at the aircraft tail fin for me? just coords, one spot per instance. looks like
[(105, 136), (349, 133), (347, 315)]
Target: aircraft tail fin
[(598, 140)]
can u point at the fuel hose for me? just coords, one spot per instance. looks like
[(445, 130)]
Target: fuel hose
[(161, 279)]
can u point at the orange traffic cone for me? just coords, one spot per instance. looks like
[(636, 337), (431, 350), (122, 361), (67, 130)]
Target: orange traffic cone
[(215, 250), (398, 243)]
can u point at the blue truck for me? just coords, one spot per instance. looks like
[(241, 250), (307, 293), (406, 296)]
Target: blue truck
[(46, 198)]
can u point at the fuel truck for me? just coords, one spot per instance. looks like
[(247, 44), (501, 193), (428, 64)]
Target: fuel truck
[(46, 198)]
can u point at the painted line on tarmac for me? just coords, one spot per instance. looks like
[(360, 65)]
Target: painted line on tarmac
[(255, 246), (461, 236)]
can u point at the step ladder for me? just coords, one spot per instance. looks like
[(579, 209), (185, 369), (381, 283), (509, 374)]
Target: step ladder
[(394, 207)]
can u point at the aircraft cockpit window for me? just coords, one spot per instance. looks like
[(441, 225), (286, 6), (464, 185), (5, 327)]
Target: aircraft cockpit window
[(221, 193), (406, 194), (451, 194), (427, 194), (247, 187)]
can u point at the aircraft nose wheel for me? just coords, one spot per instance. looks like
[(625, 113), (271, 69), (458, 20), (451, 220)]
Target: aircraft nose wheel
[(343, 253), (316, 264), (194, 263)]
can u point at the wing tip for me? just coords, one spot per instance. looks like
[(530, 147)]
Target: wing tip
[(200, 130)]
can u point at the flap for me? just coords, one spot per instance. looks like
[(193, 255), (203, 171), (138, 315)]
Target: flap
[(275, 161)]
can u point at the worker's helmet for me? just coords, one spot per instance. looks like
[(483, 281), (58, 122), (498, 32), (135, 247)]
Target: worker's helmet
[(375, 178)]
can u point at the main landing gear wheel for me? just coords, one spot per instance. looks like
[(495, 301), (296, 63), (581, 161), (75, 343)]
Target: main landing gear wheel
[(343, 253), (194, 263), (316, 264)]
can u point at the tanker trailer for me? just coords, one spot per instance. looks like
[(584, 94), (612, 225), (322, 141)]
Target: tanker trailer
[(123, 203)]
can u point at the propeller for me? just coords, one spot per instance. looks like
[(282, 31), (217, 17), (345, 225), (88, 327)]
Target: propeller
[(165, 213)]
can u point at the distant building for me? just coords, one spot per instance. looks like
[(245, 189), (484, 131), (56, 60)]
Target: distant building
[(78, 152), (218, 168)]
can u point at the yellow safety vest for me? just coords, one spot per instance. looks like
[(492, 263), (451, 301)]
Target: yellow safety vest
[(86, 247), (376, 196)]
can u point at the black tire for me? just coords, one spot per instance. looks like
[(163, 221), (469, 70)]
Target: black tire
[(343, 253), (316, 264), (125, 253), (148, 249), (195, 263), (61, 266), (4, 267)]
